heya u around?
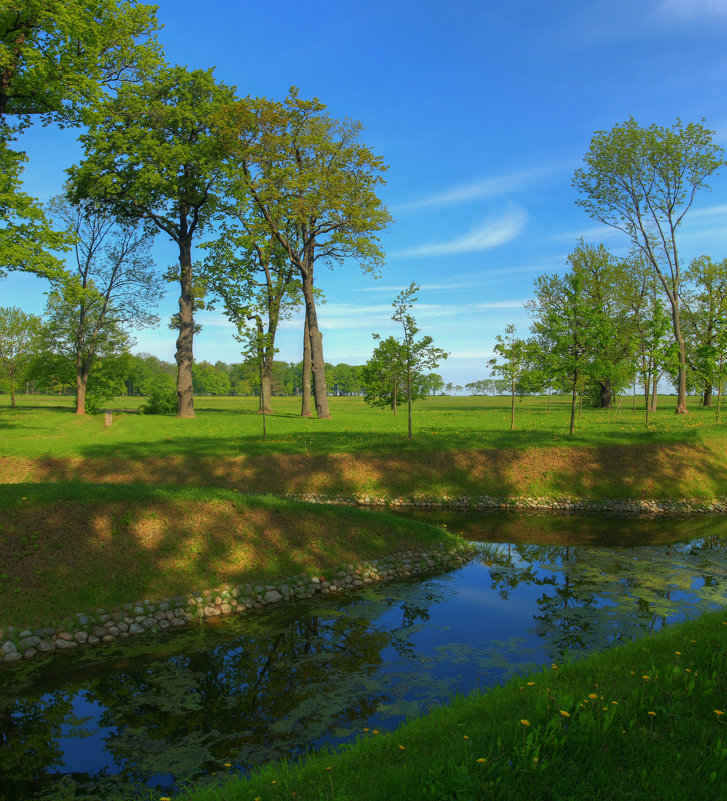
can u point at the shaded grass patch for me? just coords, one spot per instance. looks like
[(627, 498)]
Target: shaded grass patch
[(67, 548)]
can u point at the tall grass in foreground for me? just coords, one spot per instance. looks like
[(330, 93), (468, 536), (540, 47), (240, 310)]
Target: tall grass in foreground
[(646, 720)]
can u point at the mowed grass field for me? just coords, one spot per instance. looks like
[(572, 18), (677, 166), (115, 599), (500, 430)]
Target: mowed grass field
[(461, 445)]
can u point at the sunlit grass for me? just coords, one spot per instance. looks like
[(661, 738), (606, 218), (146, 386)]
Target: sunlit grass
[(44, 425)]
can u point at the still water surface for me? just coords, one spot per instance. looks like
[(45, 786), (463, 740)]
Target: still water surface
[(274, 683)]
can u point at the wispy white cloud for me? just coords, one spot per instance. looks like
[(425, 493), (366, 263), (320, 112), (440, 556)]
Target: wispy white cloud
[(710, 211), (493, 233), (502, 304), (693, 9), (488, 188)]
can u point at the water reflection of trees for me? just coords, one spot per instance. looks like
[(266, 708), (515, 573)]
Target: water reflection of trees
[(595, 597), (275, 688)]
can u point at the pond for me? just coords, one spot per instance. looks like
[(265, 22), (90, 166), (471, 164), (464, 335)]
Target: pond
[(218, 699)]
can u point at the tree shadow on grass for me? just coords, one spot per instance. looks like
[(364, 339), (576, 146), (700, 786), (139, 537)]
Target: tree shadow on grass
[(611, 471)]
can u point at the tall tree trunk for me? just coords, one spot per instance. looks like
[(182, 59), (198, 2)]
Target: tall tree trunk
[(266, 379), (320, 394), (305, 379), (408, 394), (654, 391), (606, 393), (548, 400), (512, 406), (83, 368), (12, 389), (396, 382), (681, 407), (573, 404), (265, 388), (707, 396), (647, 400), (185, 354), (634, 409)]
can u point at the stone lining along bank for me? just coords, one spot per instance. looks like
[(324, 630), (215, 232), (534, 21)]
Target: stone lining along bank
[(615, 506), (103, 626)]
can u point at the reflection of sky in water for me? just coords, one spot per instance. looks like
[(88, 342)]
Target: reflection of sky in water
[(265, 685)]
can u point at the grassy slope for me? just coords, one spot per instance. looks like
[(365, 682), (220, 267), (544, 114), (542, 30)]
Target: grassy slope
[(644, 721), (73, 548), (461, 446)]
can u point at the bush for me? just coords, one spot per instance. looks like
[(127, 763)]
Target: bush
[(162, 392)]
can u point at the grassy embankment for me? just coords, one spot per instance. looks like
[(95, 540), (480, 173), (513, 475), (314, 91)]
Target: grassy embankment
[(644, 721), (461, 446), (73, 548)]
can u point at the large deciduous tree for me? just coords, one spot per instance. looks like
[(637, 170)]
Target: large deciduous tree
[(152, 154), (313, 183), (643, 182), (257, 284)]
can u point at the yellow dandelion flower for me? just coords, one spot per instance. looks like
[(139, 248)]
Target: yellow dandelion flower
[(718, 712), (536, 759), (481, 759), (678, 653), (525, 722), (274, 781), (402, 748), (466, 737), (651, 713), (615, 703), (592, 695), (646, 678), (564, 713), (531, 683), (687, 670), (228, 765), (631, 672), (604, 709), (328, 767), (555, 667), (376, 731)]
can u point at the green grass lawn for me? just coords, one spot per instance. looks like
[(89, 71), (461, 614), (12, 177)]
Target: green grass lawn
[(226, 426), (461, 446), (642, 721)]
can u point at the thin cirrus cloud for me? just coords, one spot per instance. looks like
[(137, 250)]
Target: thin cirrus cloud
[(493, 233), (689, 9), (480, 190)]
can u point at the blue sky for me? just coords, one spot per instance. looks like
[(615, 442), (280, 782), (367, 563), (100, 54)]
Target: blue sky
[(482, 110)]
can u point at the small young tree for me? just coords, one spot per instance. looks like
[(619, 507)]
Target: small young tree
[(418, 354), (18, 332), (384, 374), (516, 363)]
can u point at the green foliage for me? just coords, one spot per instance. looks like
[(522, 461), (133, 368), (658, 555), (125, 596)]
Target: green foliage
[(61, 55), (18, 334), (56, 58), (643, 182), (162, 396)]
